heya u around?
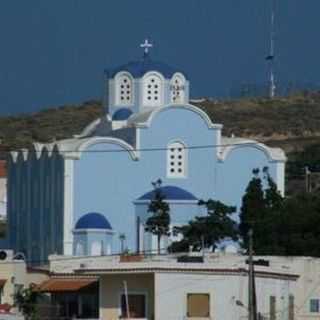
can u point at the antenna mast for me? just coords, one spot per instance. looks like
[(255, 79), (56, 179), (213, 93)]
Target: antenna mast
[(271, 56)]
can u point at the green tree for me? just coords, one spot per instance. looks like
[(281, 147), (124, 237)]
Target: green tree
[(27, 301), (299, 226), (253, 209), (159, 222), (207, 231)]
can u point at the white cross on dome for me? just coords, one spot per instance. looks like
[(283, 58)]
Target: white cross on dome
[(146, 46)]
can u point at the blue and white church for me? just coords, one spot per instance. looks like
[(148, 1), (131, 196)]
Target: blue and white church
[(85, 195)]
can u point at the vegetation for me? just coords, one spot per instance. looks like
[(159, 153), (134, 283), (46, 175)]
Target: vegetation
[(207, 231), (46, 126), (27, 301), (260, 209), (159, 222), (291, 123), (281, 226)]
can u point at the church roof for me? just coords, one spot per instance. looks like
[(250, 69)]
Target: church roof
[(93, 220), (170, 193), (122, 114), (140, 67)]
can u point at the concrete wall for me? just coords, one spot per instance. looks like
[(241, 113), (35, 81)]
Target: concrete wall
[(15, 274), (171, 291)]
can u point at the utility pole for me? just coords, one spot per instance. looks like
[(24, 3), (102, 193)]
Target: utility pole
[(307, 179), (126, 298), (270, 58), (252, 303)]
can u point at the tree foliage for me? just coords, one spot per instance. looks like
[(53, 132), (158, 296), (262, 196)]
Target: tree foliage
[(282, 226), (262, 206), (207, 231), (27, 302), (159, 222)]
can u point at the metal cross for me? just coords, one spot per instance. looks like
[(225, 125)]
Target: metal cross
[(146, 45)]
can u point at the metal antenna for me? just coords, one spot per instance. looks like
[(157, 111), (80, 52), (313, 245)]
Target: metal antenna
[(271, 56)]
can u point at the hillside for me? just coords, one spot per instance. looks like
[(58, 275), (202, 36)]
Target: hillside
[(292, 123)]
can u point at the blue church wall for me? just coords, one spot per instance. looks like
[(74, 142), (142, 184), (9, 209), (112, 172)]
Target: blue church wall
[(110, 182), (235, 173), (189, 128)]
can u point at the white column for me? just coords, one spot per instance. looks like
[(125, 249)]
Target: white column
[(68, 207)]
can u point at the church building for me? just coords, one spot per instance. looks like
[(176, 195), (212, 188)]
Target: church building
[(89, 195)]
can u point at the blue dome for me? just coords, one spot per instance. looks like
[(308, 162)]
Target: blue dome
[(122, 114), (93, 220), (170, 193), (139, 68)]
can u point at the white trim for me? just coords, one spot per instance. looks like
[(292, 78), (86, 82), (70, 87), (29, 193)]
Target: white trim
[(160, 89), (68, 207), (88, 129), (84, 231), (107, 140), (181, 91), (176, 145), (117, 100), (269, 152), (147, 123)]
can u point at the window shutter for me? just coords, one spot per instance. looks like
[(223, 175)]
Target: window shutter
[(198, 305)]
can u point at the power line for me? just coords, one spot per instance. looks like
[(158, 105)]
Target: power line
[(195, 147)]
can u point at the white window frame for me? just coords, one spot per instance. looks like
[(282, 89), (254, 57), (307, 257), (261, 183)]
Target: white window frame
[(178, 88), (176, 145), (150, 92), (117, 87)]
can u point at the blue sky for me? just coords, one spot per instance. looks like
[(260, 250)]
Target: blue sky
[(54, 52)]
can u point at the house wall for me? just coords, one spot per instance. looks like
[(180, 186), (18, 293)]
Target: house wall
[(112, 286), (171, 291), (15, 273)]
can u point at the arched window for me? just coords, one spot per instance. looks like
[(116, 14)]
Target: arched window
[(177, 88), (96, 248), (176, 160), (79, 249), (124, 89), (152, 90)]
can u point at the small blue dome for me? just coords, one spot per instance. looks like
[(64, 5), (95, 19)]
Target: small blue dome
[(122, 114), (93, 220), (170, 193), (139, 68)]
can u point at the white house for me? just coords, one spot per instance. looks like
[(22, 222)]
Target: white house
[(183, 287)]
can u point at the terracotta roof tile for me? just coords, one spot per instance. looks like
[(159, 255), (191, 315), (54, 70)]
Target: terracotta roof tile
[(60, 285)]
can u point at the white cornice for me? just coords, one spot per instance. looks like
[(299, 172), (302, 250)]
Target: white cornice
[(144, 120)]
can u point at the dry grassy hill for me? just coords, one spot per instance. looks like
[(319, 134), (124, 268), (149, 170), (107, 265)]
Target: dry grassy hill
[(292, 123)]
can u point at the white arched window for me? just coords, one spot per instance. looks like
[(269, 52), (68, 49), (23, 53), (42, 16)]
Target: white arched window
[(124, 89), (96, 248), (152, 90), (79, 249), (176, 160), (177, 88)]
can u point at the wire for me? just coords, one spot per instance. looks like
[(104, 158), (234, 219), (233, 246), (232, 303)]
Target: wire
[(209, 146)]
